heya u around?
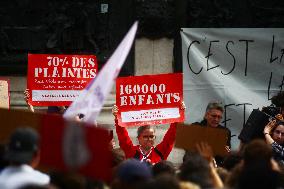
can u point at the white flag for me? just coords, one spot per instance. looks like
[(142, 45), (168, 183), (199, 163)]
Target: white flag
[(91, 99)]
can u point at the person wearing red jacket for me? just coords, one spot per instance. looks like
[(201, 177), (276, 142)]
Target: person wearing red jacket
[(145, 151)]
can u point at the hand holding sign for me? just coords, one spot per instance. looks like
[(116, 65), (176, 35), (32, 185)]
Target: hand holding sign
[(114, 110), (27, 96), (150, 99)]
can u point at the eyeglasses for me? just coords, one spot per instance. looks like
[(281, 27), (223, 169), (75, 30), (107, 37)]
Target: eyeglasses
[(216, 116), (149, 137)]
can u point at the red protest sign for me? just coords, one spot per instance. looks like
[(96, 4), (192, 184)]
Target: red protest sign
[(56, 80), (149, 99), (67, 146)]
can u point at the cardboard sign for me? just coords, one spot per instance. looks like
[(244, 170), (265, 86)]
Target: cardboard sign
[(56, 80), (189, 135), (4, 93), (11, 119), (149, 99)]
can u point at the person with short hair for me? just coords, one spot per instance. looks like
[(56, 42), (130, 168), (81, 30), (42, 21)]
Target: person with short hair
[(145, 151), (212, 118), (164, 168), (23, 154), (131, 174)]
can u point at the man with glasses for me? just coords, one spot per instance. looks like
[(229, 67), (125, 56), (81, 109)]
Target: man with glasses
[(212, 118), (145, 151)]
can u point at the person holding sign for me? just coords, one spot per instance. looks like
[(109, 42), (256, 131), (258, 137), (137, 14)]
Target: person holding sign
[(145, 151), (50, 109), (212, 118)]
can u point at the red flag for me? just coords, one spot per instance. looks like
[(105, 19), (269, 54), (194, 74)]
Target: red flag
[(69, 146)]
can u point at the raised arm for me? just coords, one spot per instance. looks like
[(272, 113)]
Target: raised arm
[(123, 138), (167, 144), (27, 97), (206, 152), (267, 131)]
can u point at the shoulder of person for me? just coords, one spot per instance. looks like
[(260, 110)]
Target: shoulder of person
[(223, 127), (201, 123)]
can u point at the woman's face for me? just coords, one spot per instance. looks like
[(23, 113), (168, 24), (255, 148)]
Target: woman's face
[(278, 134), (147, 138)]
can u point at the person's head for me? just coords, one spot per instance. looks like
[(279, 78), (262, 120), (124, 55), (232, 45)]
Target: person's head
[(195, 169), (257, 151), (163, 168), (146, 136), (257, 170), (277, 133), (130, 174), (214, 114), (278, 101), (23, 147), (162, 182), (232, 160)]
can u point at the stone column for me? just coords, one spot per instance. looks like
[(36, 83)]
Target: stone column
[(153, 56)]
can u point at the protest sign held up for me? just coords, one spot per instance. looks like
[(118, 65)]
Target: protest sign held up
[(149, 99), (189, 135), (56, 80)]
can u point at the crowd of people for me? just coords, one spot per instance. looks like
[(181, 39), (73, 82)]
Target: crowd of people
[(258, 164)]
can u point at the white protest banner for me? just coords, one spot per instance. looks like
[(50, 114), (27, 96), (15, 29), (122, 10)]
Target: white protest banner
[(241, 67), (4, 93), (149, 99), (56, 80), (91, 99)]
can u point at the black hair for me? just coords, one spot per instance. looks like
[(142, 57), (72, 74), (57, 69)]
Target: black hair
[(195, 169), (163, 167), (278, 100)]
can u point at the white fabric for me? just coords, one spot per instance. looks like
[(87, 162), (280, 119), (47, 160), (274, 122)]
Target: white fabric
[(13, 177), (91, 99), (247, 83), (149, 115)]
